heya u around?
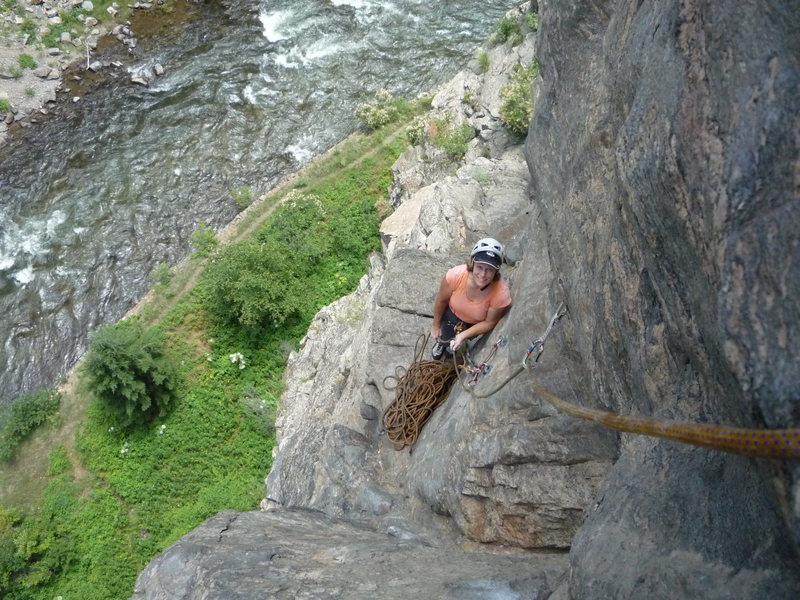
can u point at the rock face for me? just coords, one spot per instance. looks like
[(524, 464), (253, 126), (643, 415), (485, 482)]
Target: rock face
[(247, 555), (659, 202), (663, 155), (506, 468)]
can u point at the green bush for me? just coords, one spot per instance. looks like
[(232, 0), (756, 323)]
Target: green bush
[(415, 132), (254, 284), (11, 563), (508, 29), (203, 240), (129, 371), (450, 137), (5, 105), (26, 62), (378, 113), (533, 21), (483, 61), (23, 416), (29, 29), (300, 228), (242, 196), (516, 107), (162, 275)]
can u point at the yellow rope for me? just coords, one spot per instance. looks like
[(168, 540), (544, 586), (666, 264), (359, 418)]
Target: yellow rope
[(769, 443)]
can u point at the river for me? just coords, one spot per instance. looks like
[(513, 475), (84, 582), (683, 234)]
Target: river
[(94, 198)]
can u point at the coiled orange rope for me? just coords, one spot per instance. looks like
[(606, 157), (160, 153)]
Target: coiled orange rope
[(418, 391)]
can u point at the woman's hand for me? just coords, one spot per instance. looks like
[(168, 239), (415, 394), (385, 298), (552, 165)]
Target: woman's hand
[(456, 342)]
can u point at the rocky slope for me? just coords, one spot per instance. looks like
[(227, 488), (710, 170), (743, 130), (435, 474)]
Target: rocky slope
[(657, 197)]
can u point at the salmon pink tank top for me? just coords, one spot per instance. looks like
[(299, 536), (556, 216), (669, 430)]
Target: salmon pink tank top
[(467, 310)]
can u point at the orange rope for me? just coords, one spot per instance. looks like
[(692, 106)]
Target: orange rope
[(418, 391), (769, 443)]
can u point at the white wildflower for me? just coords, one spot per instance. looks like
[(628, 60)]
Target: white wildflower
[(237, 357)]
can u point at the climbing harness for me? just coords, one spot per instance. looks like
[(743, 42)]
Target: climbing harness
[(418, 391)]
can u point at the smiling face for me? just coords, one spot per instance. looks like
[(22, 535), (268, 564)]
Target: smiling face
[(483, 274)]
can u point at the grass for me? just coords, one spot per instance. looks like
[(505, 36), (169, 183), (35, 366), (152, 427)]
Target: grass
[(483, 61), (99, 501), (26, 61)]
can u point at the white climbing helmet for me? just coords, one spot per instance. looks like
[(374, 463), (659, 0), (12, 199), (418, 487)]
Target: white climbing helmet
[(488, 251)]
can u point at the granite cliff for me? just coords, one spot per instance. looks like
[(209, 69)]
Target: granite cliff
[(656, 195)]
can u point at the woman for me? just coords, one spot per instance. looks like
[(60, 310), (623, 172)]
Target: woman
[(471, 299)]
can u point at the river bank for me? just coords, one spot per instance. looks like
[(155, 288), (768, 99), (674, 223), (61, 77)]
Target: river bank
[(52, 50)]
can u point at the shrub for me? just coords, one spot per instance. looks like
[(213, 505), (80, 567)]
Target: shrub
[(203, 239), (252, 284), (129, 370), (25, 415), (11, 563), (378, 113), (508, 29), (450, 137), (162, 275), (516, 107), (533, 21), (242, 196), (415, 132), (300, 228), (29, 29), (26, 62), (483, 61), (5, 105)]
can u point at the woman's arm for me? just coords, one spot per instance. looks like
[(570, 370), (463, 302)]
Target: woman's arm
[(439, 306), (493, 317)]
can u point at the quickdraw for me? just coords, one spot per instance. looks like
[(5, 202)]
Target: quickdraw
[(537, 345), (484, 368)]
